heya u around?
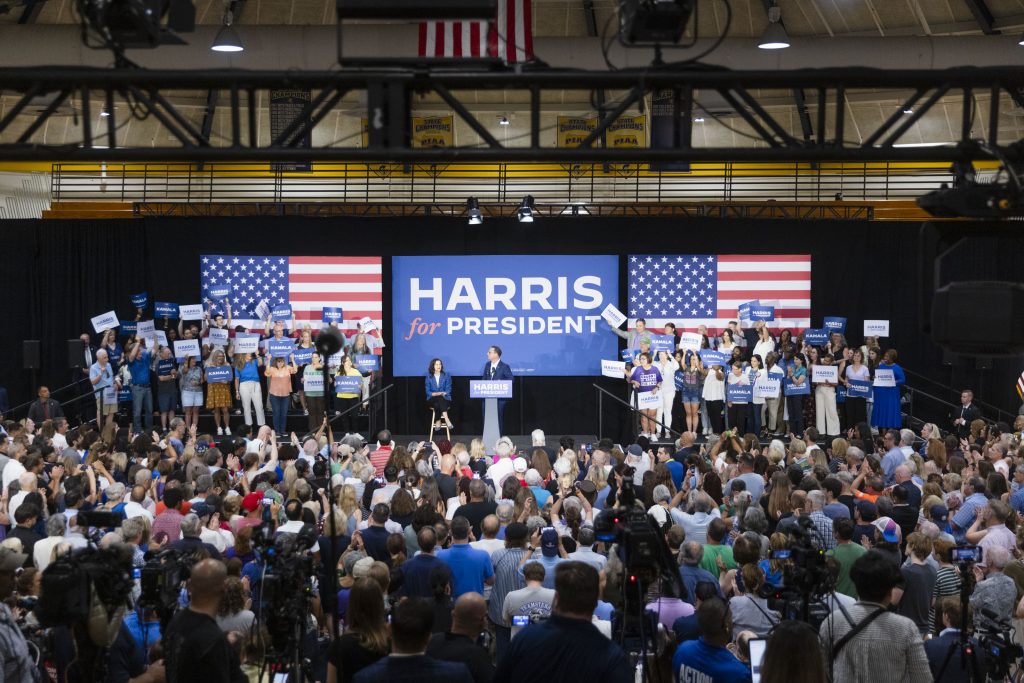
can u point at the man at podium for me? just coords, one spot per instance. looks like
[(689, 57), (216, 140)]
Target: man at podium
[(495, 368)]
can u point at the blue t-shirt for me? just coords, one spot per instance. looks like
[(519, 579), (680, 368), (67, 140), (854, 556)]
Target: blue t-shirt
[(249, 372), (140, 369), (542, 495), (470, 568), (677, 470), (695, 660)]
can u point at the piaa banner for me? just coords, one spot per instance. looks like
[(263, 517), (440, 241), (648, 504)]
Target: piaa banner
[(544, 312)]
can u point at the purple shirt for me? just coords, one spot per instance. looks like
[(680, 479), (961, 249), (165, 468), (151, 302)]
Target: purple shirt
[(648, 379)]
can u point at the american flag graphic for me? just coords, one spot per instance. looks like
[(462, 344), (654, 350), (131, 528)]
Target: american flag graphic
[(705, 289), (307, 283), (509, 37)]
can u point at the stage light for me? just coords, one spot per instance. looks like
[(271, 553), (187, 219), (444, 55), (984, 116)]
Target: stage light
[(503, 121), (1020, 41), (908, 110), (473, 206), (774, 36), (227, 39), (645, 22), (699, 119), (104, 113), (524, 214)]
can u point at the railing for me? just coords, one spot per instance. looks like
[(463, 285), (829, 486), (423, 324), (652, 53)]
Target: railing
[(602, 392), (493, 183), (371, 413), (954, 394)]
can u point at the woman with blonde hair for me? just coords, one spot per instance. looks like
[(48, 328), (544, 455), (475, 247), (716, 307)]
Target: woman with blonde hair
[(218, 393), (776, 451), (348, 503)]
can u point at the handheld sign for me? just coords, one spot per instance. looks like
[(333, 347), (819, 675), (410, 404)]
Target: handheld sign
[(835, 324), (165, 367), (124, 396), (884, 378), (766, 313), (366, 362), (709, 357), (645, 400), (490, 388), (280, 348), (824, 373), (191, 312), (876, 328), (304, 356), (816, 337), (218, 374), (129, 327), (334, 360), (161, 339), (333, 314), (678, 381), (165, 309), (691, 341), (613, 316), (348, 385), (140, 300), (662, 342), (217, 336), (615, 369), (629, 355), (767, 386), (794, 389), (859, 389), (105, 321), (183, 348), (840, 394), (282, 312), (109, 396), (218, 292), (739, 393), (366, 324), (145, 328), (744, 309), (313, 381), (262, 310), (247, 343)]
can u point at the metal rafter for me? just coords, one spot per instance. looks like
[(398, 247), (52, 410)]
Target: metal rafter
[(983, 15), (389, 97)]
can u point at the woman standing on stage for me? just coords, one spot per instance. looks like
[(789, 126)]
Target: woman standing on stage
[(439, 391), (886, 412), (667, 366), (645, 378), (856, 406), (693, 379)]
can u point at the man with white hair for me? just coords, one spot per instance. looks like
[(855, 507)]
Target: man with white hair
[(27, 483), (695, 524), (907, 437), (503, 465), (536, 484), (995, 592), (191, 529), (115, 497), (56, 525), (539, 440), (824, 539)]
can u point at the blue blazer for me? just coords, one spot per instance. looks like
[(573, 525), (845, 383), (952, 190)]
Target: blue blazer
[(502, 371), (445, 385)]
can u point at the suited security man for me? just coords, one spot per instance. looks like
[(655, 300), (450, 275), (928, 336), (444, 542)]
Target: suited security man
[(44, 407), (963, 416), (495, 368)]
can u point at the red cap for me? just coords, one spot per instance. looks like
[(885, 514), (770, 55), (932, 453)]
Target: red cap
[(252, 501)]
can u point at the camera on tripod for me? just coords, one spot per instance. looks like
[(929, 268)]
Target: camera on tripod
[(161, 579), (286, 586), (807, 575)]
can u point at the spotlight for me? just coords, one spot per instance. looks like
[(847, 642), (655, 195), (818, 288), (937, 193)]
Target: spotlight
[(503, 121), (774, 36), (227, 39), (524, 214), (699, 119), (908, 110), (1021, 41), (104, 113), (473, 206)]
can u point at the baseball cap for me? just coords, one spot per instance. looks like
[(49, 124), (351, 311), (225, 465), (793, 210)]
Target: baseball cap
[(868, 510), (635, 449), (519, 464), (889, 529), (252, 501), (548, 542), (201, 509), (10, 560), (939, 513)]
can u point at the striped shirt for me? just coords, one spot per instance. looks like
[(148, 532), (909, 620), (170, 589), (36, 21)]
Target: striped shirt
[(823, 524), (964, 517), (506, 579), (888, 649), (947, 582)]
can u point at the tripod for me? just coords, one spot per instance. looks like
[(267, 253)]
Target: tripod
[(963, 645)]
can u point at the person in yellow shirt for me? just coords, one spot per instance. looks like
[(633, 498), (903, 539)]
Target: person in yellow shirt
[(348, 400)]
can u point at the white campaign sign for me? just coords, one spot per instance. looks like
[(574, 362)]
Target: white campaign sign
[(367, 324), (247, 343), (767, 387), (161, 339), (876, 328), (190, 312), (613, 316), (691, 341), (183, 348), (145, 329), (615, 369), (884, 378), (824, 373), (646, 400), (106, 321), (313, 382), (218, 336)]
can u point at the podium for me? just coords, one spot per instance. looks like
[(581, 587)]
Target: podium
[(491, 390)]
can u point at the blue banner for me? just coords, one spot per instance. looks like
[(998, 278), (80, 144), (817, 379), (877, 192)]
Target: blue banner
[(366, 362), (140, 300), (739, 393), (333, 314), (544, 312), (281, 348), (218, 292), (859, 389), (663, 342), (164, 309), (816, 337), (710, 357), (794, 389), (129, 327), (304, 356), (835, 324), (164, 367), (766, 313), (348, 385), (281, 312), (218, 374)]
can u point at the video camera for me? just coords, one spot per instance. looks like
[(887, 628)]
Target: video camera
[(286, 587), (161, 579), (807, 577)]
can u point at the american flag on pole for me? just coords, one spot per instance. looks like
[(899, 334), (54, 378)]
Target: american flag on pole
[(704, 289), (307, 283), (509, 36)]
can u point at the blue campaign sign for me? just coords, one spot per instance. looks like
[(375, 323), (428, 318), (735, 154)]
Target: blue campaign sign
[(304, 356), (129, 327), (164, 367), (766, 313), (124, 396), (165, 309), (835, 324), (663, 342), (739, 393), (710, 357), (544, 312), (679, 381), (333, 314), (140, 300), (366, 362), (345, 384), (794, 389), (281, 312), (859, 389), (628, 355), (490, 388), (218, 374), (744, 309), (841, 394), (816, 337), (218, 292), (280, 348)]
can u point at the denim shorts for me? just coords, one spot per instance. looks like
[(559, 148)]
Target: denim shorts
[(690, 394)]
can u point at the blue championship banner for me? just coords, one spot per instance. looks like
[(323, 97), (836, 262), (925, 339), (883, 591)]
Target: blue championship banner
[(544, 312)]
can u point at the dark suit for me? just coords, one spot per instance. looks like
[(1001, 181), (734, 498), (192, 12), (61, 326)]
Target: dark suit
[(501, 371), (938, 648), (39, 411), (415, 669), (969, 414)]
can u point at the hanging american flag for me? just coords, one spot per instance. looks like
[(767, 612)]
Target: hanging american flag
[(703, 289), (307, 283), (509, 37)]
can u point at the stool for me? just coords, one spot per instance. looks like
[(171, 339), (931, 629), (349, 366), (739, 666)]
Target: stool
[(434, 429)]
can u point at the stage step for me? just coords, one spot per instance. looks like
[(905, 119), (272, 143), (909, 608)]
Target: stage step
[(78, 210)]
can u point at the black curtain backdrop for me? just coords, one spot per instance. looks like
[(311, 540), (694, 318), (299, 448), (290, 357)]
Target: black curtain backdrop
[(61, 273)]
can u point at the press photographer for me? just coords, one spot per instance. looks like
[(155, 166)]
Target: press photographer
[(17, 663)]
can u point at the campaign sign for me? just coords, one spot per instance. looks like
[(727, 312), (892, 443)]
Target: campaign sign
[(840, 394), (663, 342), (544, 312), (145, 328), (794, 389), (183, 348), (161, 339), (217, 337), (280, 348), (678, 381), (313, 381), (859, 389), (129, 327), (709, 357), (281, 312), (739, 393), (490, 388), (333, 314), (646, 400), (615, 369), (165, 309), (824, 373), (816, 337), (105, 321), (835, 324), (348, 385), (767, 387), (165, 367), (304, 356), (218, 374), (629, 355), (691, 341), (766, 313), (334, 360), (140, 300), (744, 309), (876, 328), (613, 316), (262, 310), (218, 292), (366, 324), (191, 312), (124, 396), (109, 396), (247, 343), (366, 362), (884, 377)]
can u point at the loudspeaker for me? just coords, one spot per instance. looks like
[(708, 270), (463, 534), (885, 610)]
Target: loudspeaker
[(30, 354), (76, 353), (983, 318)]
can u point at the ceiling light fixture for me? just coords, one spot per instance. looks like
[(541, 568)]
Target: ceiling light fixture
[(473, 211), (503, 121), (1020, 41), (104, 113), (699, 119), (774, 36), (908, 110), (227, 39), (524, 214)]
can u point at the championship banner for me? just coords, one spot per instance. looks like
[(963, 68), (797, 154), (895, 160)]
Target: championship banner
[(544, 312), (433, 131), (572, 130), (628, 132)]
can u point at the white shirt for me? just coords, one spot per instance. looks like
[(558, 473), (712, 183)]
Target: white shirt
[(714, 388), (43, 549), (133, 509), (214, 538), (12, 471), (499, 470), (60, 442), (763, 348), (489, 545), (390, 526), (289, 527)]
